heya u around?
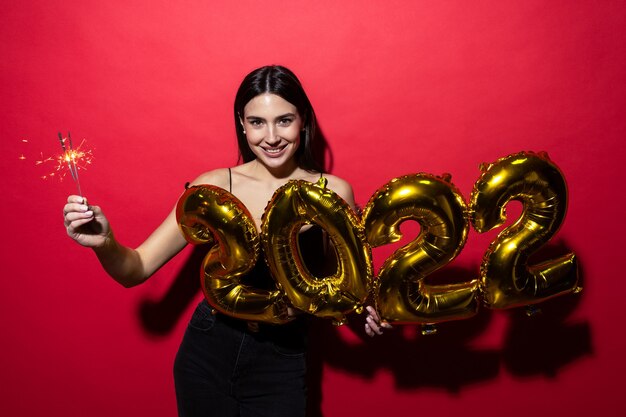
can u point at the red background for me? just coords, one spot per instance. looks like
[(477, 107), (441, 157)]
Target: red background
[(399, 87)]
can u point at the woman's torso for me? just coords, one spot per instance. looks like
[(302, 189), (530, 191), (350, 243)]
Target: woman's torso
[(255, 193)]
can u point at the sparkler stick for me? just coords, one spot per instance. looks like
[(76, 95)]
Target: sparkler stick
[(69, 155)]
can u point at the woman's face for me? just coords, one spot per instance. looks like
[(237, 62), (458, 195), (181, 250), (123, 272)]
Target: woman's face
[(272, 126)]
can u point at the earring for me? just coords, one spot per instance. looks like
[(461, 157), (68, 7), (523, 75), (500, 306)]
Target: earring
[(244, 131)]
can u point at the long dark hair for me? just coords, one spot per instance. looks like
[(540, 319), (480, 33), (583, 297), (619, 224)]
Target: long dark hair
[(275, 79)]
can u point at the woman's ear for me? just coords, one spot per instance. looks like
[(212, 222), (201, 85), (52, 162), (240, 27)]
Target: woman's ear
[(241, 123), (304, 119)]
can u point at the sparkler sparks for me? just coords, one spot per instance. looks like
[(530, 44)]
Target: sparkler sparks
[(71, 160)]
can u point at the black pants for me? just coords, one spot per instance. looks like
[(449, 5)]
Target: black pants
[(223, 368)]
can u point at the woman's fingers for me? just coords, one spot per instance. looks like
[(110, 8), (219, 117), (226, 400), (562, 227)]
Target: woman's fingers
[(76, 224), (372, 312), (85, 224), (72, 206), (75, 204), (76, 211), (76, 199), (74, 221), (373, 324)]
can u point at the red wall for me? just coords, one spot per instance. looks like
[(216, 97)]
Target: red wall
[(399, 87)]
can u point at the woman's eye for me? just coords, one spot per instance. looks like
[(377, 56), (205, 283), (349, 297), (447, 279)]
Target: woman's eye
[(285, 122), (255, 122)]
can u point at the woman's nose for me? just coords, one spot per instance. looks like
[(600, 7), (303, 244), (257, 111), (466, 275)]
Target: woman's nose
[(272, 135)]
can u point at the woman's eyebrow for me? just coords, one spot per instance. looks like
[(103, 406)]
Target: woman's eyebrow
[(285, 116), (282, 116)]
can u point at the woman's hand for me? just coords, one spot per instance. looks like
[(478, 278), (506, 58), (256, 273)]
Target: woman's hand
[(373, 324), (84, 223)]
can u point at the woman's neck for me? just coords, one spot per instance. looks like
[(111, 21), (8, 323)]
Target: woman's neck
[(265, 173)]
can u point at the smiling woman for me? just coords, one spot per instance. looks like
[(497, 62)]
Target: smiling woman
[(225, 365), (272, 127), (281, 82)]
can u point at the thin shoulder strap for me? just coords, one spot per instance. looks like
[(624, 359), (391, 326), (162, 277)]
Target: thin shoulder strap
[(230, 181)]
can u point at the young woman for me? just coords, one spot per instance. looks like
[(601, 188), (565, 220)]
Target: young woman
[(224, 366)]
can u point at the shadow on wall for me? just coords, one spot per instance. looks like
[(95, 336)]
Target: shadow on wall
[(538, 345), (541, 344), (161, 316)]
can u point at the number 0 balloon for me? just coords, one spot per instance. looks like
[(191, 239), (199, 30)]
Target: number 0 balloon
[(299, 203)]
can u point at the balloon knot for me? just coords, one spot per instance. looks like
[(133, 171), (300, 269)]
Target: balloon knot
[(428, 329)]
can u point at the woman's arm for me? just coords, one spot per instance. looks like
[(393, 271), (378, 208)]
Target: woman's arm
[(88, 226)]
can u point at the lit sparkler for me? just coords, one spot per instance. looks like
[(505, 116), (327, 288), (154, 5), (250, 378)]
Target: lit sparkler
[(71, 156), (71, 160)]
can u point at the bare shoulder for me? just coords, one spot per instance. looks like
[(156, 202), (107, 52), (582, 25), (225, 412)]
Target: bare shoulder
[(335, 183), (218, 177), (341, 187)]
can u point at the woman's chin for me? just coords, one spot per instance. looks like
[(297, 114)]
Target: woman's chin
[(276, 159)]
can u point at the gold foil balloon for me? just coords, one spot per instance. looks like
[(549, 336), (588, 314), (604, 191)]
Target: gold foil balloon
[(440, 210), (298, 203), (507, 279), (209, 214)]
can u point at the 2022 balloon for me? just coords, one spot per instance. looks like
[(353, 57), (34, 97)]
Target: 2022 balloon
[(207, 214)]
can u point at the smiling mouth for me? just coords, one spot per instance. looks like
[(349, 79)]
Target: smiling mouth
[(274, 150)]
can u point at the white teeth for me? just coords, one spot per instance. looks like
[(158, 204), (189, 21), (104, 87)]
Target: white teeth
[(273, 150)]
